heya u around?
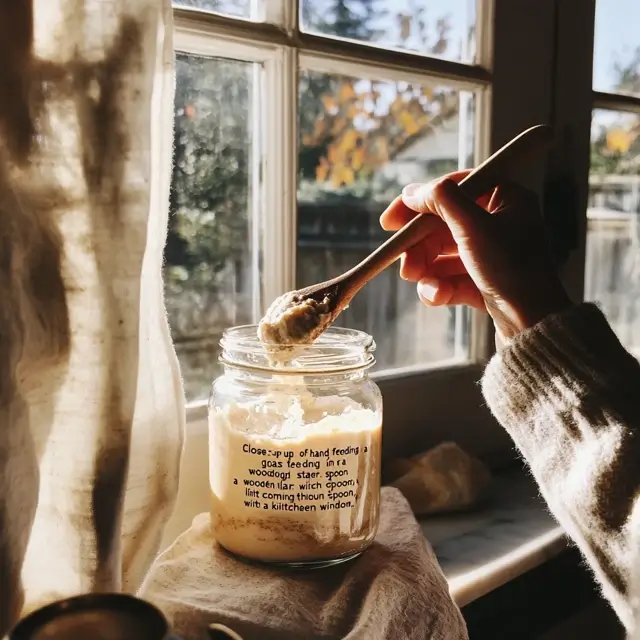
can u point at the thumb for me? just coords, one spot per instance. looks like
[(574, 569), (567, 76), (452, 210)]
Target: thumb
[(445, 198)]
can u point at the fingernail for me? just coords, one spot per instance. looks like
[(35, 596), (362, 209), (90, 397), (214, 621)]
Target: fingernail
[(410, 189), (427, 291), (414, 195)]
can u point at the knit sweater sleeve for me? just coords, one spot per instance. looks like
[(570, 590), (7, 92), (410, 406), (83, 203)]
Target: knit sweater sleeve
[(569, 395)]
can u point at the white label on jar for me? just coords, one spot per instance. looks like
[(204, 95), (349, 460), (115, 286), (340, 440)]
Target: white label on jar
[(312, 493), (304, 479)]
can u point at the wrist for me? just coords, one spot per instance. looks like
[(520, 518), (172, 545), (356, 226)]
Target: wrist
[(526, 313)]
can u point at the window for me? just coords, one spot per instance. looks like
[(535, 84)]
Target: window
[(612, 275), (432, 27), (212, 278), (361, 140), (296, 124)]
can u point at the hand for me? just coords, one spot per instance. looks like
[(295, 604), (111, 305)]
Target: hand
[(490, 255)]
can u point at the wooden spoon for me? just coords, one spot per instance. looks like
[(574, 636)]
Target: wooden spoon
[(299, 317)]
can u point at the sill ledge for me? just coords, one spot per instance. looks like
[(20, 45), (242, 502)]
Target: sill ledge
[(483, 550)]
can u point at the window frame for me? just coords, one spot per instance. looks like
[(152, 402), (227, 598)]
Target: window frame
[(575, 99), (418, 407)]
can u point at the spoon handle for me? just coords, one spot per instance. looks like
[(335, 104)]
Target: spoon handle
[(481, 180)]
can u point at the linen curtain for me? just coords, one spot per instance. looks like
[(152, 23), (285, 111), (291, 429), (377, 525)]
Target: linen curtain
[(91, 401)]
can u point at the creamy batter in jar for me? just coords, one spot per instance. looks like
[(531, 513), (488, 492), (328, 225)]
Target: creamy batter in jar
[(295, 450)]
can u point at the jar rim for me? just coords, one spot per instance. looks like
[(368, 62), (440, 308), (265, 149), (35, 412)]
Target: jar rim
[(336, 350)]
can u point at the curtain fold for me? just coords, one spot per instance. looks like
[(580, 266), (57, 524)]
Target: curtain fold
[(91, 401)]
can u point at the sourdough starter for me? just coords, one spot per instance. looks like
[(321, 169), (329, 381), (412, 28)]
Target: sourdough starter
[(295, 478)]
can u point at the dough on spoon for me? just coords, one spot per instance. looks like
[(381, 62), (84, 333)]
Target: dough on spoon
[(295, 318)]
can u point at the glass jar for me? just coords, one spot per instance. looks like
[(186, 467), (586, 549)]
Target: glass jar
[(295, 446)]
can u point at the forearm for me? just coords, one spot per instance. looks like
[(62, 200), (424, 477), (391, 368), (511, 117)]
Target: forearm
[(569, 395)]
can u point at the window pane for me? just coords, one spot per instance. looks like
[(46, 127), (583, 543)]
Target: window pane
[(210, 273), (616, 58), (442, 28), (361, 141), (237, 8), (613, 238)]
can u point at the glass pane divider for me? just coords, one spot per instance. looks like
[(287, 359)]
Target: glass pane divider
[(485, 10), (477, 347), (195, 38), (336, 64), (283, 13), (279, 174), (377, 60), (479, 344), (390, 64), (255, 189), (616, 102)]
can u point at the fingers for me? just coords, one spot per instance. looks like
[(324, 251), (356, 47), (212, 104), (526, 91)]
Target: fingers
[(511, 194), (396, 215), (447, 266), (415, 267), (464, 217), (460, 289), (415, 262), (413, 193)]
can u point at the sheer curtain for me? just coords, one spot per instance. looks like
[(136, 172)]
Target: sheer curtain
[(91, 401)]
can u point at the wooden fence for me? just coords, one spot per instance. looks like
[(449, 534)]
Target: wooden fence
[(612, 276)]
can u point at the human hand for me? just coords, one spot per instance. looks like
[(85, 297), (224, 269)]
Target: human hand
[(490, 255)]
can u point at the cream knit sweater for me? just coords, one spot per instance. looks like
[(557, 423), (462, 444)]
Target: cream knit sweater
[(569, 395)]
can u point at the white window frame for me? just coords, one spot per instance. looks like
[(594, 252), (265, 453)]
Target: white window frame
[(424, 404)]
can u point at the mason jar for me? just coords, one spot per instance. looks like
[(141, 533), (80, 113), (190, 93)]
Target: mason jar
[(294, 448)]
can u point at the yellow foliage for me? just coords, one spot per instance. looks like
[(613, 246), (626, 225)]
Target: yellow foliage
[(328, 102), (322, 171), (409, 123), (341, 174), (427, 92), (618, 140), (357, 158), (347, 92), (349, 139), (347, 175), (358, 150), (338, 125), (397, 104)]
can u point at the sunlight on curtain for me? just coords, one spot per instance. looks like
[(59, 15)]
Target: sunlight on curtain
[(91, 402)]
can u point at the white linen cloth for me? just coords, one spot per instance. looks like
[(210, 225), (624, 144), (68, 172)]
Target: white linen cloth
[(394, 591)]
